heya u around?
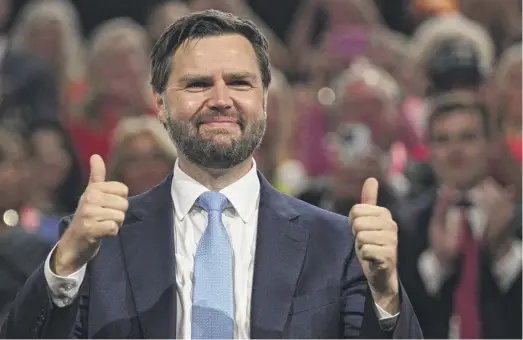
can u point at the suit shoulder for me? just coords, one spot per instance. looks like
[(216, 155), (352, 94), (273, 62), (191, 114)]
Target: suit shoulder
[(311, 213), (327, 230)]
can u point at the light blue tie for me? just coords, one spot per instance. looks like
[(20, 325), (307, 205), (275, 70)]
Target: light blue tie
[(213, 306)]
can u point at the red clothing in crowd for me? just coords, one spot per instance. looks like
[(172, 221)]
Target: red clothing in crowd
[(514, 145), (89, 139)]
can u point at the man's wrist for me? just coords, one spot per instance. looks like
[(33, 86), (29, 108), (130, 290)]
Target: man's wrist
[(65, 261), (389, 303), (387, 299)]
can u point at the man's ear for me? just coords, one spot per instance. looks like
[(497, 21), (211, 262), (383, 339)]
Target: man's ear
[(159, 100)]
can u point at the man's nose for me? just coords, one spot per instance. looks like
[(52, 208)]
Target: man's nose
[(220, 97)]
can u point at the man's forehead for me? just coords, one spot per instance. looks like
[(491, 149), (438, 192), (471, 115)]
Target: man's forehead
[(213, 51), (459, 119)]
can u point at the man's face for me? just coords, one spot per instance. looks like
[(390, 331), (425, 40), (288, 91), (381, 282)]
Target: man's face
[(459, 149), (215, 101)]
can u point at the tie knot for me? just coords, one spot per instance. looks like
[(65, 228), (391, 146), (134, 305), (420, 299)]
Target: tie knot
[(212, 200)]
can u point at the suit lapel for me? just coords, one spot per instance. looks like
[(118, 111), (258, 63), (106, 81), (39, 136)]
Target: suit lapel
[(147, 241), (148, 247), (280, 252)]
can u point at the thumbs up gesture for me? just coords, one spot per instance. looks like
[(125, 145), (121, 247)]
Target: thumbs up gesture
[(100, 213), (376, 242)]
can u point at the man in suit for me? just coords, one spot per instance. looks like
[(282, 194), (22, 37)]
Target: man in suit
[(215, 251), (460, 240)]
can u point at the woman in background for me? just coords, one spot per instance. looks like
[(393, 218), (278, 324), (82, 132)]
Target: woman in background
[(142, 154), (505, 107), (57, 180), (21, 252), (507, 97), (118, 86), (50, 30)]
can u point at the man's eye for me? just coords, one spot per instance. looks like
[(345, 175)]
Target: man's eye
[(239, 83), (197, 85)]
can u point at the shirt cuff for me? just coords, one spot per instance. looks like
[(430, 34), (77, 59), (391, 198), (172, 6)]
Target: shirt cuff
[(63, 289), (507, 269), (432, 273), (386, 320)]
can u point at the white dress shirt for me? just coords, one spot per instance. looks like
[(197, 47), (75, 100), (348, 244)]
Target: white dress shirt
[(505, 270), (240, 220)]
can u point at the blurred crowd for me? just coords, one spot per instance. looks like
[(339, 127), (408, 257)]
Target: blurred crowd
[(434, 115)]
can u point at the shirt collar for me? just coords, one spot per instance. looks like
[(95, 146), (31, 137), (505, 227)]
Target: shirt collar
[(472, 196), (243, 194)]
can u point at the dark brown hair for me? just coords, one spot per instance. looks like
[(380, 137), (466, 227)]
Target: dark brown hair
[(199, 25), (454, 101)]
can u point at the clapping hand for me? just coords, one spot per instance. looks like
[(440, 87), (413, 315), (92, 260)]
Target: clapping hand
[(497, 203)]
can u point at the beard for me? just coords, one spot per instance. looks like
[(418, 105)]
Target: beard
[(207, 152)]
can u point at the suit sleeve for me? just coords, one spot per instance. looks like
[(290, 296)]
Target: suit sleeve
[(359, 318), (34, 315)]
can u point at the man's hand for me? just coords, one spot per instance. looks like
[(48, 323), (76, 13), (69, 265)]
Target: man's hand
[(376, 236), (444, 239), (498, 204), (100, 213)]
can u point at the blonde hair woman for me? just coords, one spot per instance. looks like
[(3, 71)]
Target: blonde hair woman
[(118, 85), (118, 65), (434, 31), (51, 30), (142, 154)]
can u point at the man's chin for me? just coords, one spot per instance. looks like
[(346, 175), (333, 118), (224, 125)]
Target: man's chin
[(225, 139)]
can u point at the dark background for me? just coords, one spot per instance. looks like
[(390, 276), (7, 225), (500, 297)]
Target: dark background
[(93, 12)]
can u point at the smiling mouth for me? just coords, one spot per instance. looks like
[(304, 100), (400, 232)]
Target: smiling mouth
[(220, 123), (223, 123)]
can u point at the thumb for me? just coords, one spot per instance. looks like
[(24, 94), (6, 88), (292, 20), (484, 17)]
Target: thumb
[(369, 192), (97, 173)]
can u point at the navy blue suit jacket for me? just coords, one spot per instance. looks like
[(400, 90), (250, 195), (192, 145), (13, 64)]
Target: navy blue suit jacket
[(307, 280)]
